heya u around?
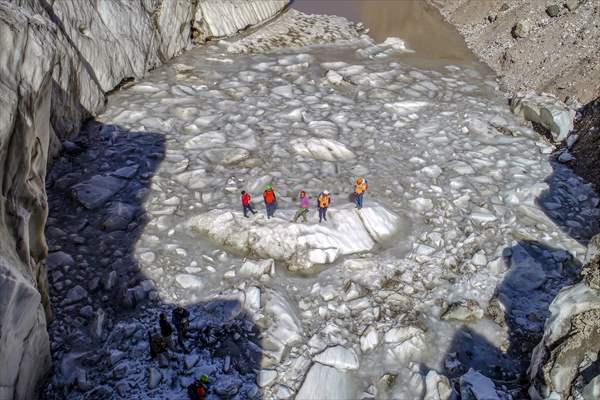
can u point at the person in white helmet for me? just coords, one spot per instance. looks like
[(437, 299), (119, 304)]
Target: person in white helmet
[(323, 202)]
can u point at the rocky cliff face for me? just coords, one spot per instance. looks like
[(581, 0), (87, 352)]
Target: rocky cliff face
[(57, 61), (548, 46)]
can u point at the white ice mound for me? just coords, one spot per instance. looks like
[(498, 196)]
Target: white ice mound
[(322, 149), (347, 231)]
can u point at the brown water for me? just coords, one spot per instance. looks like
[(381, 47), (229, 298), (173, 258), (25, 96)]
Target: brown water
[(417, 23)]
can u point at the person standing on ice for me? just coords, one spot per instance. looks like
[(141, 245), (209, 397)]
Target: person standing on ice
[(360, 187), (166, 330), (270, 200), (179, 318), (197, 389), (323, 202), (246, 206), (303, 210)]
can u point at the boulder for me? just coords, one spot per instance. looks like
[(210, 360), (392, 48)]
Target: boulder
[(521, 29), (119, 216), (572, 5), (546, 110), (553, 10), (154, 378), (475, 386), (96, 191)]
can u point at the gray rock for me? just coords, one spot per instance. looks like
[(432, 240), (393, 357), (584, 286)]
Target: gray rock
[(227, 386), (572, 5), (591, 391), (553, 10), (120, 371), (565, 157), (110, 281), (97, 326), (191, 360), (100, 393), (126, 172), (154, 378), (119, 216), (521, 29), (475, 386), (96, 191), (115, 356), (75, 294), (59, 259), (86, 312)]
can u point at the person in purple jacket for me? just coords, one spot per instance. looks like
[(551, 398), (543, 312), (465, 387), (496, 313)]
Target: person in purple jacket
[(303, 210)]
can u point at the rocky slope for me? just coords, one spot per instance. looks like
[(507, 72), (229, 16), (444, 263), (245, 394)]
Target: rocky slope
[(57, 61), (540, 45)]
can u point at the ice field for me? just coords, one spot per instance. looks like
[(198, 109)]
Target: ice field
[(455, 257)]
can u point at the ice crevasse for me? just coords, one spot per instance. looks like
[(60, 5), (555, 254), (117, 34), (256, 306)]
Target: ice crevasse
[(347, 231)]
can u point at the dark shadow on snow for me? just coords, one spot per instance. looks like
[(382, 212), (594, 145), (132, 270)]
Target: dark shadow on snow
[(113, 361), (536, 273)]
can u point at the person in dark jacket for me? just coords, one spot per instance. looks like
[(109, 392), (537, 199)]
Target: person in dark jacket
[(166, 330), (179, 318), (157, 343)]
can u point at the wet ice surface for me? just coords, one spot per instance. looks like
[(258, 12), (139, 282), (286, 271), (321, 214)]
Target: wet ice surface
[(465, 186)]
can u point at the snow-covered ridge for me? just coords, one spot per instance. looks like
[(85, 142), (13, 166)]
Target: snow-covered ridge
[(347, 231)]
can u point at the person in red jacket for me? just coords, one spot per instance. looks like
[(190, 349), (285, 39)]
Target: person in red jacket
[(270, 200), (246, 206)]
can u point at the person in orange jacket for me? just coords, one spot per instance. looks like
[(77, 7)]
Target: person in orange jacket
[(360, 187), (323, 202), (270, 200)]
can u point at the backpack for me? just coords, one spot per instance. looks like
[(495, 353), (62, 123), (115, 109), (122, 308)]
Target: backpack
[(323, 201), (269, 196)]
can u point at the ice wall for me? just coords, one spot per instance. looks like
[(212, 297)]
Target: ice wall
[(219, 18), (57, 61), (25, 90)]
